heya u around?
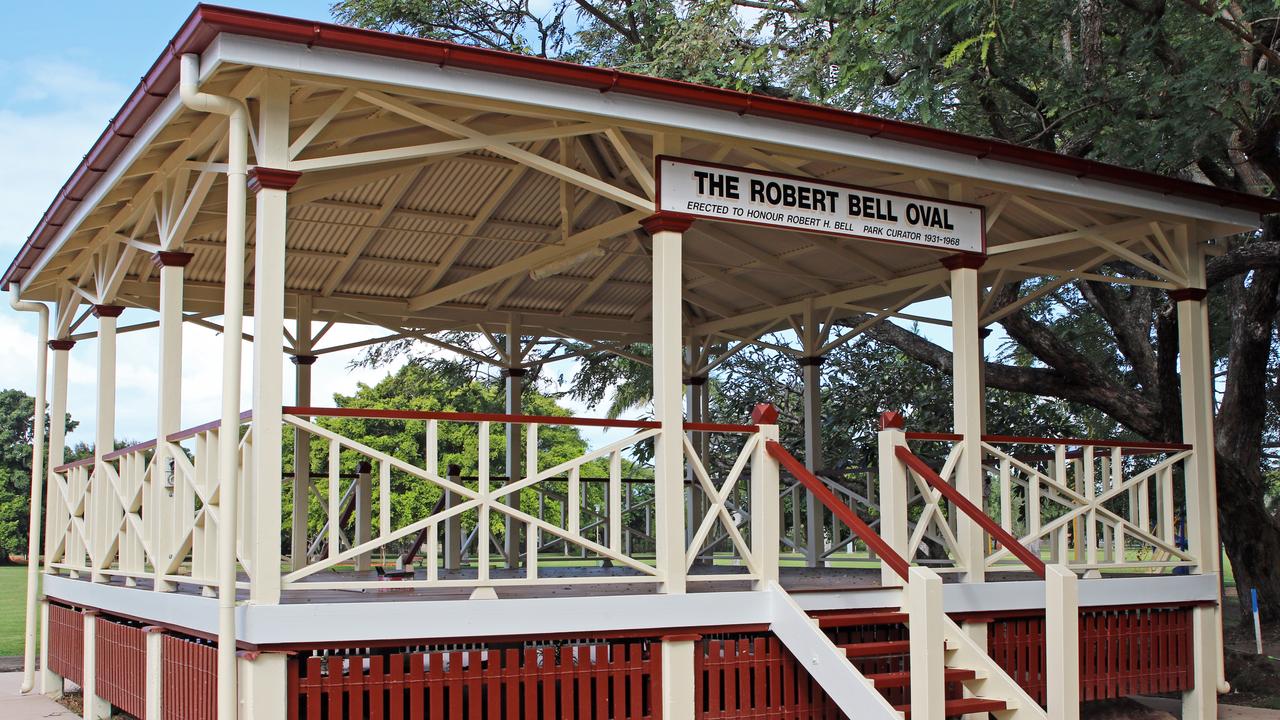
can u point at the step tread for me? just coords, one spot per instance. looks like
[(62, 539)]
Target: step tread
[(964, 706), (903, 678), (873, 649), (879, 617)]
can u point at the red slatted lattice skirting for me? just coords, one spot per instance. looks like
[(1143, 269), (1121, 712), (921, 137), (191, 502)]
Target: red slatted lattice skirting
[(190, 678), (1130, 651), (66, 642), (122, 665), (754, 676), (615, 680)]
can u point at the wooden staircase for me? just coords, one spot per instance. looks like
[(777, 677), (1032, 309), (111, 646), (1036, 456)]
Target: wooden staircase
[(877, 644)]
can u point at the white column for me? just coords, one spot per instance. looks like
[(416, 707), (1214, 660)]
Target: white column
[(302, 361), (967, 401), (766, 525), (893, 493), (928, 661), (678, 685), (271, 187), (263, 686), (668, 464), (363, 514), (1196, 372), (95, 708), (811, 370), (155, 673), (172, 500), (51, 682), (1062, 641), (105, 511)]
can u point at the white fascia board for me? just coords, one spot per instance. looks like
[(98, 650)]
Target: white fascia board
[(193, 612), (1100, 592), (163, 114), (397, 620), (631, 109)]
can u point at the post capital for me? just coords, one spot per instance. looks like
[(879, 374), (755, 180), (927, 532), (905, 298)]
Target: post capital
[(963, 261), (303, 359), (1184, 294), (811, 360), (984, 332), (892, 420), (265, 178), (107, 311), (63, 345), (695, 380), (764, 414), (514, 372), (171, 258), (666, 222)]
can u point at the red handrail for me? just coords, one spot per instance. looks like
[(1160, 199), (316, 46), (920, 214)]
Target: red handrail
[(846, 514), (1085, 442), (921, 468), (381, 414)]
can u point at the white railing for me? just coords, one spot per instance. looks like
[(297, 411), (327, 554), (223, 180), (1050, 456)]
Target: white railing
[(580, 509), (1094, 504), (1089, 505), (133, 518)]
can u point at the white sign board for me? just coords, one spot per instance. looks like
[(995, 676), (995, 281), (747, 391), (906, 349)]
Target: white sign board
[(734, 194)]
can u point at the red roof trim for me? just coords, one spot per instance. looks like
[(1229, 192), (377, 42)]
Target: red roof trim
[(207, 21)]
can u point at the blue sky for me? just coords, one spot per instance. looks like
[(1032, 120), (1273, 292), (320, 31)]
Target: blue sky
[(65, 69)]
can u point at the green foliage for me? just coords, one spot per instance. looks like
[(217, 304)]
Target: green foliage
[(16, 432)]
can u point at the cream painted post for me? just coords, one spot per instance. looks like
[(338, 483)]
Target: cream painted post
[(155, 672), (95, 708), (302, 362), (967, 401), (263, 685), (271, 188), (104, 512), (668, 462), (893, 493), (452, 525), (1062, 640), (928, 644), (51, 682), (1196, 371), (678, 687), (765, 518), (363, 514), (173, 503)]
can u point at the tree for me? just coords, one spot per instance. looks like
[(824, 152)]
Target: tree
[(1184, 88), (16, 433)]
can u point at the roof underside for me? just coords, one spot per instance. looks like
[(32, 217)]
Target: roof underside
[(401, 242)]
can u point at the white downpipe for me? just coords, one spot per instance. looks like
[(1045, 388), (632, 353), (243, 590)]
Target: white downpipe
[(37, 485), (233, 327)]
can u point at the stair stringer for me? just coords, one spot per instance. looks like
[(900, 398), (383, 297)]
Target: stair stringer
[(992, 680), (848, 688)]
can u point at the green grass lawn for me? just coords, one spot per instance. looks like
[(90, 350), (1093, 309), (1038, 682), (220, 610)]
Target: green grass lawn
[(13, 597)]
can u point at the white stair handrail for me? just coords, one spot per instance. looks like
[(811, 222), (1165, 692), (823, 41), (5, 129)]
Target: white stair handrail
[(849, 689)]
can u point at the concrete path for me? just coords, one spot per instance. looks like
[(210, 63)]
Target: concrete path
[(14, 706)]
